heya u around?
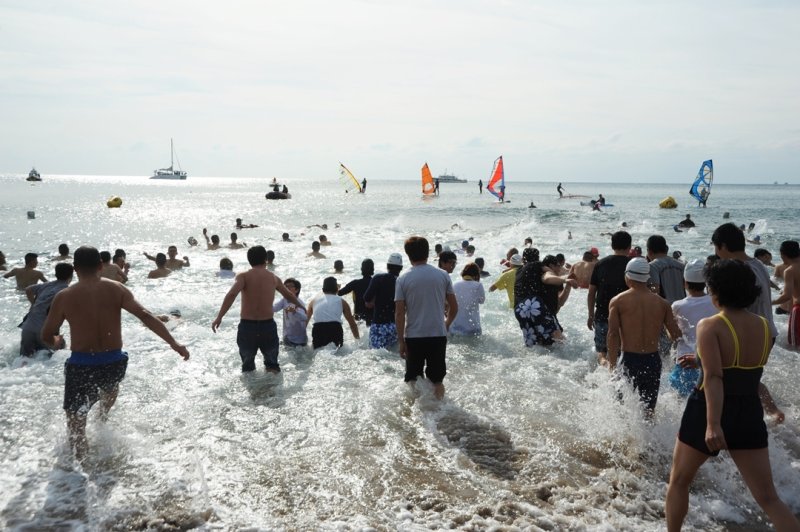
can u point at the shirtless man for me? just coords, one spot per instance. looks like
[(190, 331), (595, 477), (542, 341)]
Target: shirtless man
[(173, 262), (636, 318), (2, 261), (790, 254), (323, 240), (315, 251), (161, 270), (28, 275), (111, 270), (235, 244), (581, 271), (97, 363), (213, 242), (257, 329), (63, 253)]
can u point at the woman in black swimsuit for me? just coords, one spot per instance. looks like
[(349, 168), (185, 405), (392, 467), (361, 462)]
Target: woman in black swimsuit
[(725, 411)]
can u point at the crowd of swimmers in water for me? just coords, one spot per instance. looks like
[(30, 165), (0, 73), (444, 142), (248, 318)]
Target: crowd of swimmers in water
[(710, 318)]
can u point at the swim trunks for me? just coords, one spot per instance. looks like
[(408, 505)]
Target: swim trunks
[(255, 335), (326, 332), (86, 374), (794, 326), (684, 380), (382, 335), (643, 370), (427, 350)]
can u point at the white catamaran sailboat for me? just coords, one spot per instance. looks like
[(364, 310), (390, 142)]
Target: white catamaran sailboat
[(170, 173)]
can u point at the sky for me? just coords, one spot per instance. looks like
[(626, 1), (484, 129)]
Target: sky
[(621, 91)]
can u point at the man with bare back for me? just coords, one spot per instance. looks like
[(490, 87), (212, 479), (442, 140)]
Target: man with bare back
[(635, 321), (790, 253), (582, 270), (29, 275), (93, 308), (257, 329)]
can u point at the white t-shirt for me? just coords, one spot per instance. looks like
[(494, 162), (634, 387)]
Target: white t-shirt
[(326, 307), (470, 295), (424, 289), (688, 311)]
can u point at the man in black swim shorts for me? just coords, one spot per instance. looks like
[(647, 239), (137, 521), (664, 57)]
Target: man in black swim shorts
[(97, 364), (636, 318)]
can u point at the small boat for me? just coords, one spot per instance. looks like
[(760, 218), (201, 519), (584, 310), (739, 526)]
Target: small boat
[(277, 195), (450, 178), (33, 175), (171, 172), (701, 187), (428, 187), (497, 181)]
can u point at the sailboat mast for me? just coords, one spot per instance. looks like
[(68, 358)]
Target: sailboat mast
[(171, 152)]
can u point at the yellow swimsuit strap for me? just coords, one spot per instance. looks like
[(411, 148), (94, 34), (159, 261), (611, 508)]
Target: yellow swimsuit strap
[(735, 340), (764, 352)]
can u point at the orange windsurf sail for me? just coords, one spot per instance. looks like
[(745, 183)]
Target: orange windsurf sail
[(427, 181)]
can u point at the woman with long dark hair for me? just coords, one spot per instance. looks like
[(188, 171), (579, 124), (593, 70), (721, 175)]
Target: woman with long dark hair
[(724, 412)]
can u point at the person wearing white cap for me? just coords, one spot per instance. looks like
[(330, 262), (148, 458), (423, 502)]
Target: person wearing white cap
[(380, 298), (688, 311), (507, 279), (636, 318)]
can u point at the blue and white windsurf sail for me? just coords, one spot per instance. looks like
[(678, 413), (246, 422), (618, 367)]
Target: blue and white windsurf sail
[(701, 188)]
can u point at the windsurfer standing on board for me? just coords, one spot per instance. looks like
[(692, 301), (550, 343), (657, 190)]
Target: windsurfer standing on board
[(560, 190), (703, 197)]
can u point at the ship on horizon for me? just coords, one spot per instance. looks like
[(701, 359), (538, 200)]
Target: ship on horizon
[(449, 178)]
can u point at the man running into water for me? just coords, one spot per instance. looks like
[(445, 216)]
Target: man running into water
[(635, 320), (608, 280), (28, 275), (581, 271), (257, 329), (420, 295), (97, 364), (41, 298)]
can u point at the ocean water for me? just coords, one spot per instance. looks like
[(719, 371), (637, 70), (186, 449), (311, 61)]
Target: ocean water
[(527, 439)]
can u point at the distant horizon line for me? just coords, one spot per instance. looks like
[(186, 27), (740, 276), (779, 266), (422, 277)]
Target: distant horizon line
[(473, 182)]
